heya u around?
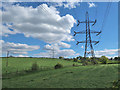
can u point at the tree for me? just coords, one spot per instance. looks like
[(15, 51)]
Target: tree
[(104, 59), (111, 58), (79, 57), (61, 57), (116, 58)]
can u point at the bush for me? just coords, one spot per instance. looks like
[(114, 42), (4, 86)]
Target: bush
[(94, 61), (34, 67), (58, 66), (116, 84), (75, 60), (84, 63), (79, 61), (73, 64)]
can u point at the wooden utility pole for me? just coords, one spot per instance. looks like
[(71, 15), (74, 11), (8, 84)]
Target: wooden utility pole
[(7, 58)]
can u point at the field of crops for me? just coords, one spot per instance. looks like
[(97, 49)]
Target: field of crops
[(91, 76)]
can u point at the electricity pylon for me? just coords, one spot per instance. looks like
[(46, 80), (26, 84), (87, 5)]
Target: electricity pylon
[(88, 42), (52, 50)]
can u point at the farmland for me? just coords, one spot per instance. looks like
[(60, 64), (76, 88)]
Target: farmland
[(91, 76)]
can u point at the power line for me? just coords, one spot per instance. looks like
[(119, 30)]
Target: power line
[(105, 18), (59, 24), (106, 15)]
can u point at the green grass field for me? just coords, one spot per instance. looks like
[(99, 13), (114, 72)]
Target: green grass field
[(92, 76), (20, 64)]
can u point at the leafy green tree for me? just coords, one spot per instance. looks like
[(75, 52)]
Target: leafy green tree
[(61, 57), (116, 58), (79, 57), (104, 59), (111, 58)]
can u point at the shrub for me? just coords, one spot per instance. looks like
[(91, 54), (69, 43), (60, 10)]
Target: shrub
[(58, 66), (34, 67), (75, 60), (73, 64), (79, 61), (85, 62), (94, 61), (116, 84)]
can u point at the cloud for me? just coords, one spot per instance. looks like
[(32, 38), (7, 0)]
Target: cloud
[(91, 4), (42, 22), (71, 5), (82, 46), (58, 53), (17, 48), (68, 5), (66, 53), (22, 56), (106, 52), (11, 1), (64, 45), (119, 53), (6, 30), (56, 48)]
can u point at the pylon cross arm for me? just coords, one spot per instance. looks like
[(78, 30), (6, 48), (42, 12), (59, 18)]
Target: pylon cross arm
[(87, 41), (82, 32), (98, 32), (87, 22)]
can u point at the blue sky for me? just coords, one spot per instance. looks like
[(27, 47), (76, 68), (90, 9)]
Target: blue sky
[(108, 38)]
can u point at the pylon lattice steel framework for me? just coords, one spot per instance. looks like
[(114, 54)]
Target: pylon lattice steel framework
[(88, 42)]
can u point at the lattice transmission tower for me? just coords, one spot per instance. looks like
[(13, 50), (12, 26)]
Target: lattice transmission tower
[(88, 42)]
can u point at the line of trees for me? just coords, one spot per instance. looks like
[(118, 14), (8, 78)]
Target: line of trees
[(81, 58), (93, 61)]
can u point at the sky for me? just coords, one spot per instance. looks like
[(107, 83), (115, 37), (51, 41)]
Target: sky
[(37, 29)]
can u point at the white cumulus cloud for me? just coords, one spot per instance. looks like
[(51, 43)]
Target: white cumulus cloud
[(91, 4), (82, 46), (106, 52), (22, 56), (56, 48), (42, 22), (58, 53), (17, 48), (71, 5), (68, 4)]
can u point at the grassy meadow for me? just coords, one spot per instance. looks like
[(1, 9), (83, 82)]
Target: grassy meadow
[(91, 76), (19, 64)]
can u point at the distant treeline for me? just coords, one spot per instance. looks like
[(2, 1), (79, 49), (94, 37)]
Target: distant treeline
[(79, 58)]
